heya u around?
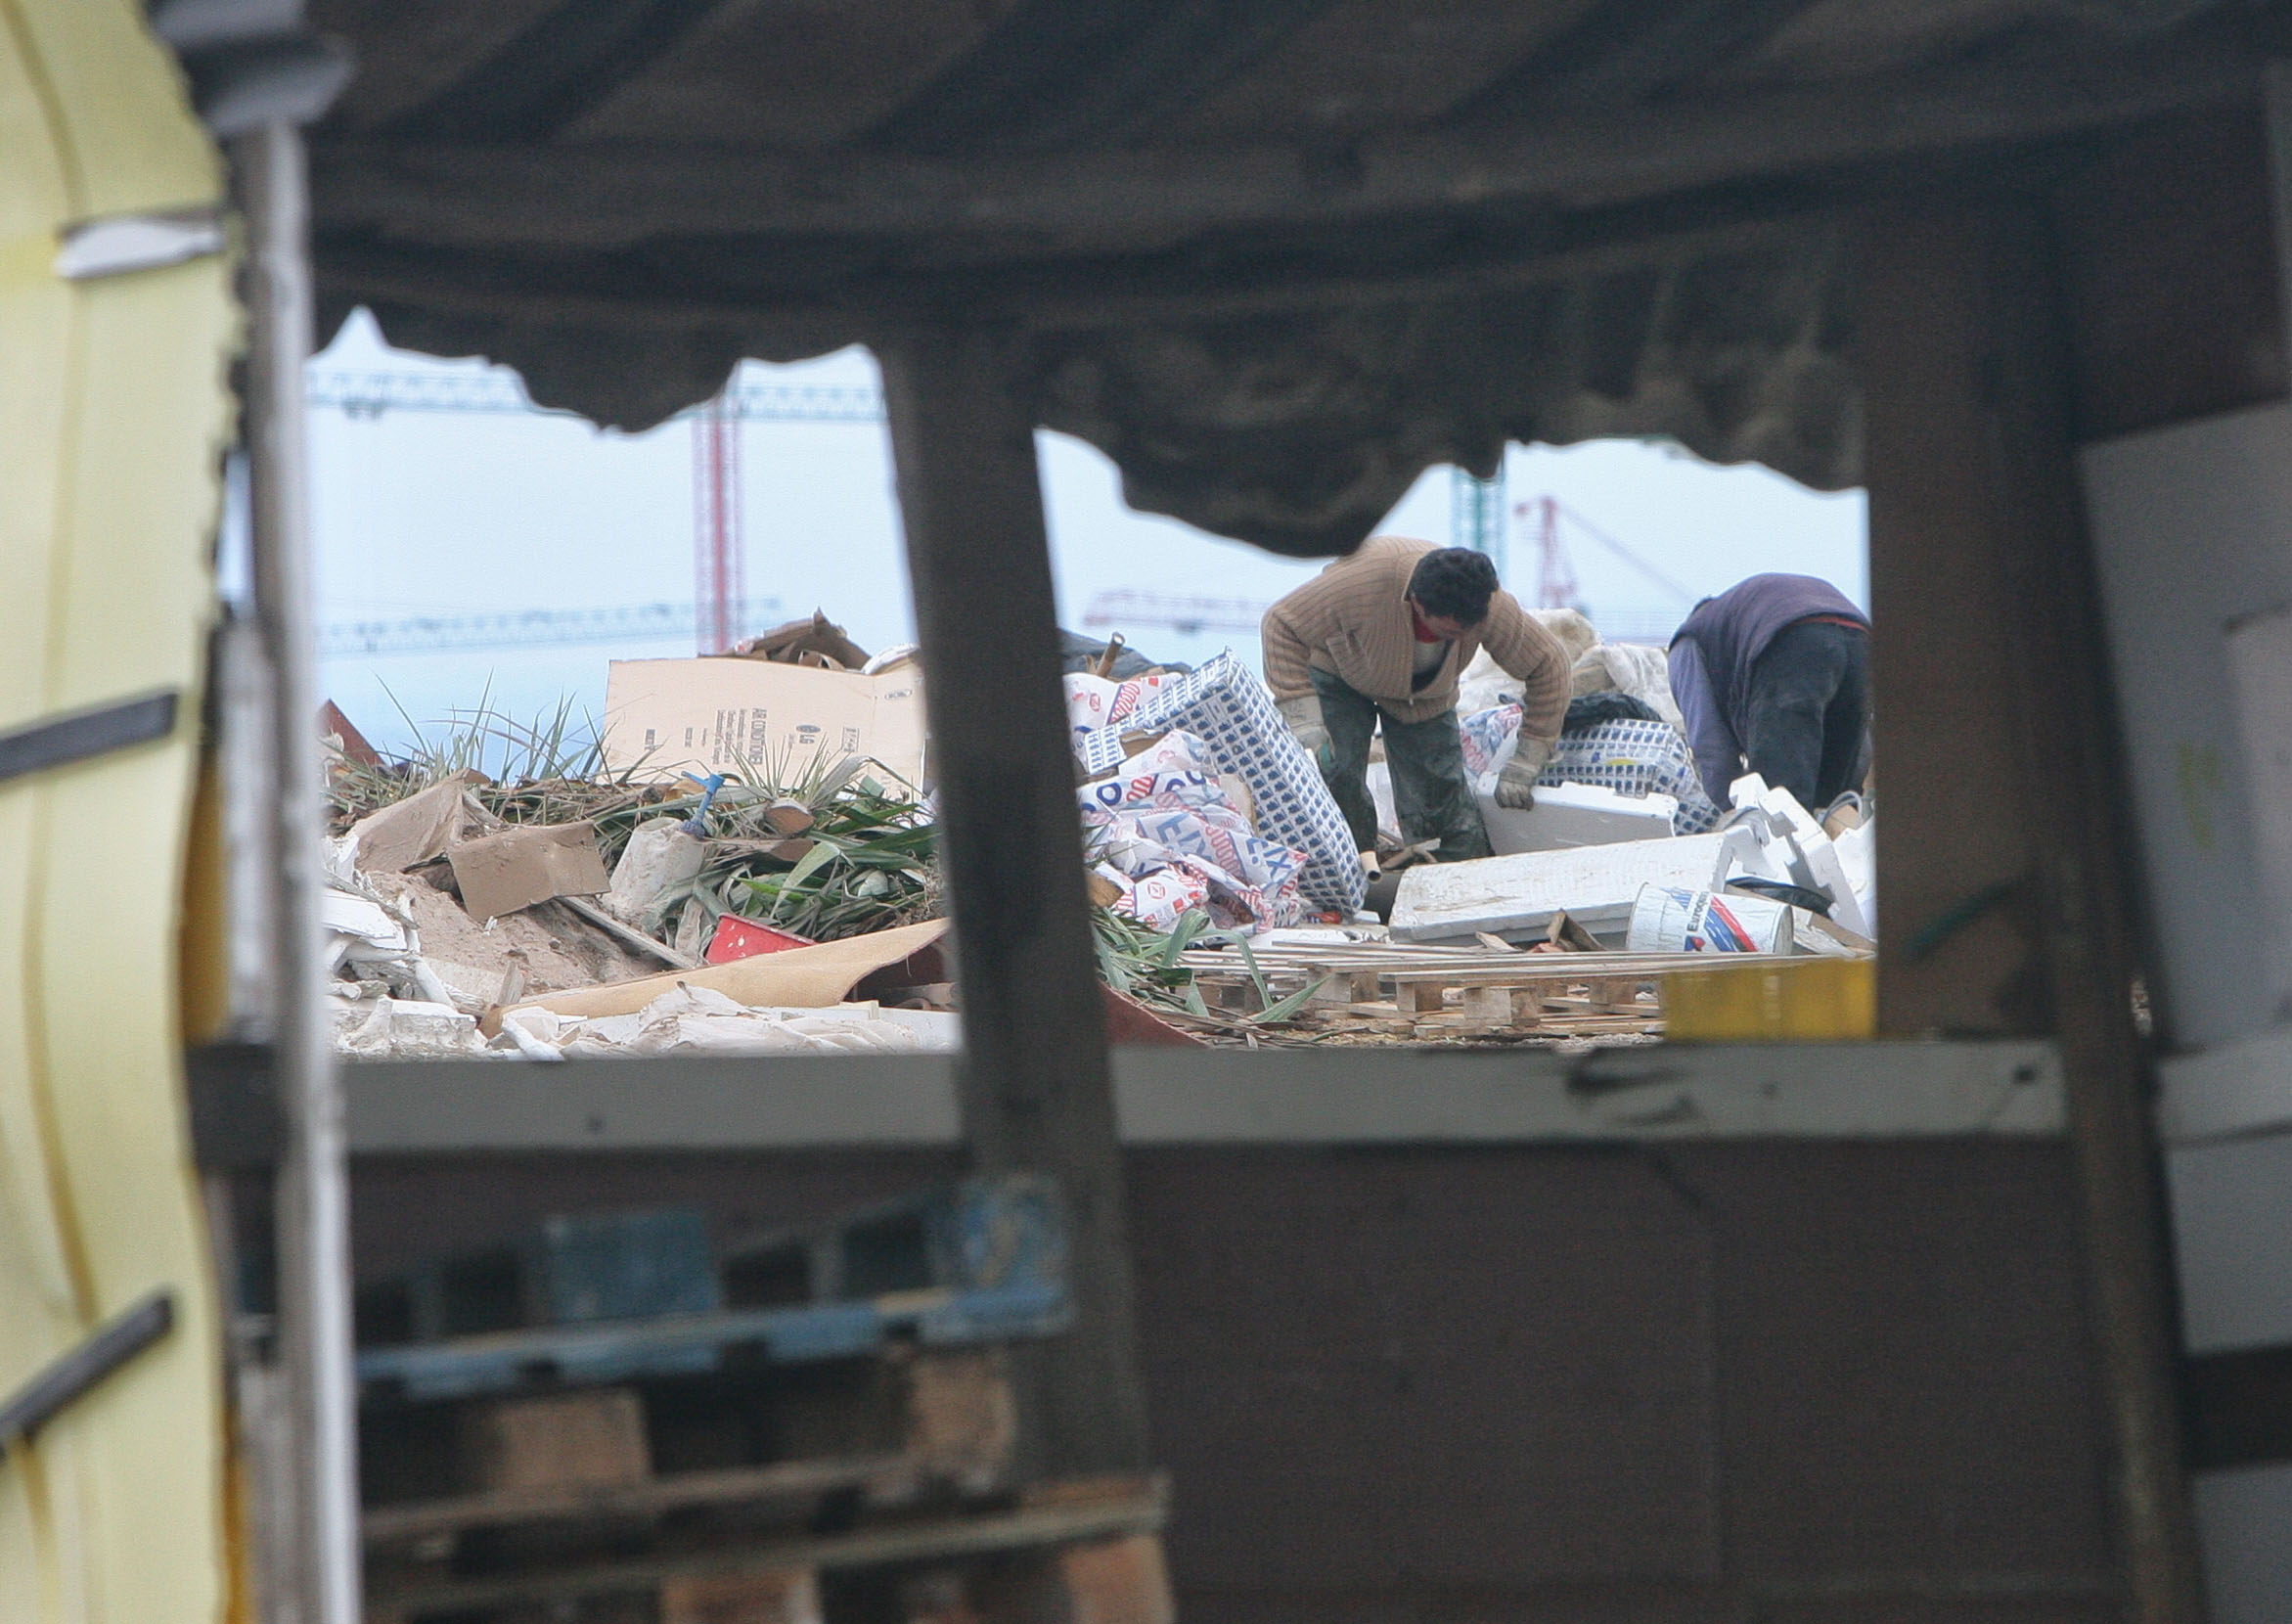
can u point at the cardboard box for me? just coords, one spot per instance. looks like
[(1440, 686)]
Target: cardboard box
[(664, 717)]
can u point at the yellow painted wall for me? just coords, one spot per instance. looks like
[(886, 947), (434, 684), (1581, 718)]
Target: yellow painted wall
[(112, 411)]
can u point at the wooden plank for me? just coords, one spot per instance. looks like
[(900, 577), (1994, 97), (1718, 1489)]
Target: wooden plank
[(1121, 1581), (566, 1440), (774, 1596), (1035, 1084), (2175, 307), (1965, 359), (1621, 52), (788, 1479), (962, 1416), (1959, 811), (614, 196), (1112, 1516), (1059, 297)]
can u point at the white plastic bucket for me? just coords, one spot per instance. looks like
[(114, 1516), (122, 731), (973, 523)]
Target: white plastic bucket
[(1666, 919)]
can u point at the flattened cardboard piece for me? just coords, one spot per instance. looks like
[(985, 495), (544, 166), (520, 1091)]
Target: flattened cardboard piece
[(800, 978), (515, 868), (412, 831), (666, 717), (1128, 1021)]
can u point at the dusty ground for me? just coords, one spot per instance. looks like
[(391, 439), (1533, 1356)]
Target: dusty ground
[(561, 951)]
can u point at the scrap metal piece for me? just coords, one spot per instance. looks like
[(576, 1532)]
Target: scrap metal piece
[(73, 1374), (81, 736)]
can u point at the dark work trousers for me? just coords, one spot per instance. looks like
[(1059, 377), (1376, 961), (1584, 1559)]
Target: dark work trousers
[(1806, 727), (1431, 790)]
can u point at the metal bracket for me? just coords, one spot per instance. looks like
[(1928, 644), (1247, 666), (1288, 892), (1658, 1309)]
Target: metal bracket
[(68, 1378), (84, 735)]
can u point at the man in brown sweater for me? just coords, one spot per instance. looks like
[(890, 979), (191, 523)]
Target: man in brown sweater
[(1381, 637)]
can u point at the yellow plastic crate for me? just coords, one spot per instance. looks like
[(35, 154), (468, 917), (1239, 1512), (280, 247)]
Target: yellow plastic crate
[(1804, 1000)]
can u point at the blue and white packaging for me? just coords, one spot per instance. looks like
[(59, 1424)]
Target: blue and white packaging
[(1224, 705)]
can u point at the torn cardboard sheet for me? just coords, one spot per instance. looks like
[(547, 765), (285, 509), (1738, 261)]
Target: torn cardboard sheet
[(501, 873), (412, 831), (665, 717), (802, 978)]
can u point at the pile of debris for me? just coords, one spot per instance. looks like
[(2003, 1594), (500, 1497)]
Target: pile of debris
[(744, 863), (466, 905)]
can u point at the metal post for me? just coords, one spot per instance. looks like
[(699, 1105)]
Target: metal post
[(1036, 1087), (319, 1583)]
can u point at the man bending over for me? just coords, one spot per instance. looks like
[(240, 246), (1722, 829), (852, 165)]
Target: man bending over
[(1381, 638)]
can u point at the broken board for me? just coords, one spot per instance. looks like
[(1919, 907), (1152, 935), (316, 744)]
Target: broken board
[(1518, 895)]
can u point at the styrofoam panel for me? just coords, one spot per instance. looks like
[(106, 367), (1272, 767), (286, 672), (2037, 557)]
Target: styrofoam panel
[(1450, 901), (2244, 1524), (2232, 1235), (2190, 527)]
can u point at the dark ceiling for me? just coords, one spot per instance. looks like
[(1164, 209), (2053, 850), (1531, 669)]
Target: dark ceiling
[(1274, 256)]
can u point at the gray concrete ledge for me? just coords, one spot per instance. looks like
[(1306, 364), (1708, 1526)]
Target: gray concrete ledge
[(1228, 1097)]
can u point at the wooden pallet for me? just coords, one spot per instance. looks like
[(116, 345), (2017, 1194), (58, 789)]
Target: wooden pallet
[(559, 1508), (615, 1297), (1437, 992), (1102, 1538)]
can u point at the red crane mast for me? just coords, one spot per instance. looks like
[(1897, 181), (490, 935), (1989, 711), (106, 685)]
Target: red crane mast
[(719, 556)]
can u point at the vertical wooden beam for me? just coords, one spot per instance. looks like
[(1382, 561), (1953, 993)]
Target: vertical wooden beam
[(1957, 953), (1036, 1089), (1975, 517)]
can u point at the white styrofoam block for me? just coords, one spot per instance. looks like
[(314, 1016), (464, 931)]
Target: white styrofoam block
[(2231, 1212), (1576, 815), (2188, 524), (1520, 893), (1857, 856), (2244, 1524), (2237, 1087)]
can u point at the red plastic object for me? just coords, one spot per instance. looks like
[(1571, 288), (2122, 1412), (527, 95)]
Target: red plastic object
[(740, 939)]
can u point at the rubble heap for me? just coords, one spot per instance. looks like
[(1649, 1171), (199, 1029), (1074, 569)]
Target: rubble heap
[(752, 877)]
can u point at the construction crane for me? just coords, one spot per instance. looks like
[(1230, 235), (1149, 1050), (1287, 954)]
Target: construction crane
[(719, 552), (719, 559), (519, 629), (1555, 575), (1555, 580), (1127, 606), (375, 394)]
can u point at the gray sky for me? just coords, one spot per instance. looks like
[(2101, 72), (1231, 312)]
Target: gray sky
[(420, 514)]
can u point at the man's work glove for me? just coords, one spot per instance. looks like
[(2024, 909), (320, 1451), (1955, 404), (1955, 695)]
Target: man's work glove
[(1303, 714), (1516, 785)]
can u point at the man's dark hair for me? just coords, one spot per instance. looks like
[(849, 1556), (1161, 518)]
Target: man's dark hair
[(1453, 583)]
